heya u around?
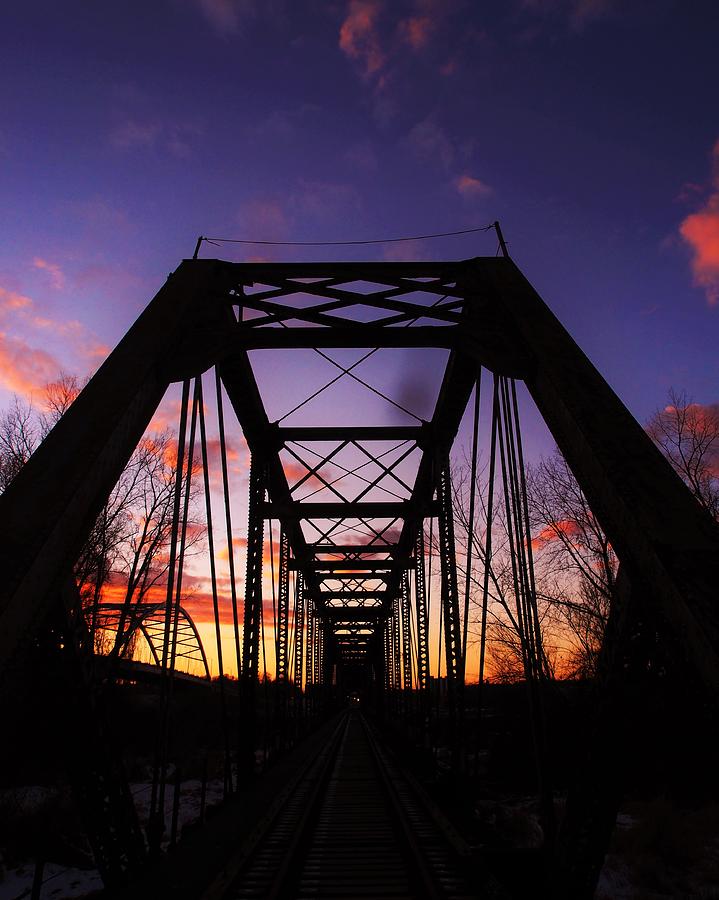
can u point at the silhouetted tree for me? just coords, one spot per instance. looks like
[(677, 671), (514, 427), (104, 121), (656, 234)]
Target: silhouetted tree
[(688, 435), (574, 562), (574, 566), (129, 538)]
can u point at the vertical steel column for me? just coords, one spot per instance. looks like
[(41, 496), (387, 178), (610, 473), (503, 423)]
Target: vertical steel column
[(396, 657), (450, 593), (283, 608), (326, 663), (420, 590), (299, 640), (406, 640), (253, 609), (317, 675), (311, 653)]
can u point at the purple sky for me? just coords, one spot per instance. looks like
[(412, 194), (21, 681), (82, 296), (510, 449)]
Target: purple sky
[(128, 129), (587, 127)]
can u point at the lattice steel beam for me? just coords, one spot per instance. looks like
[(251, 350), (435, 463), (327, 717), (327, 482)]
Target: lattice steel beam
[(450, 592), (422, 620), (283, 608)]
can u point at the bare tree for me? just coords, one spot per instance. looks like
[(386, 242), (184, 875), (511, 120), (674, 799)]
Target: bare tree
[(574, 568), (688, 435), (504, 652), (20, 433), (575, 564), (129, 538)]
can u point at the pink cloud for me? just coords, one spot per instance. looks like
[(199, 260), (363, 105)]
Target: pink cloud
[(359, 36), (11, 300), (700, 230), (23, 368), (562, 529), (471, 188), (57, 276)]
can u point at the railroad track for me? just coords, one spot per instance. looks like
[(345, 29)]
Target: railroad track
[(352, 826)]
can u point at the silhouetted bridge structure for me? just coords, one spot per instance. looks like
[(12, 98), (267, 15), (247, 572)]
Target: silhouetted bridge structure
[(355, 505)]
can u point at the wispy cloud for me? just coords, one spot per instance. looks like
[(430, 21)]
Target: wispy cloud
[(134, 135), (230, 17), (57, 276), (700, 230), (360, 36), (376, 38), (175, 138), (308, 201), (12, 300), (27, 363), (431, 143), (471, 188), (363, 156), (263, 218), (577, 13), (416, 31), (24, 368), (282, 123)]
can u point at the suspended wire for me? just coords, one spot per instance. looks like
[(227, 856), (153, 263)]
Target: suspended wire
[(470, 523), (544, 666), (228, 521), (155, 824), (348, 371), (170, 648), (329, 383), (227, 781), (487, 561), (352, 243)]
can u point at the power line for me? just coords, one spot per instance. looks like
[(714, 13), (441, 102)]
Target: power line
[(394, 240)]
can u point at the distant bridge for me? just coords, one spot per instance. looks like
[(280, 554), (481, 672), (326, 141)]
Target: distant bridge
[(149, 620)]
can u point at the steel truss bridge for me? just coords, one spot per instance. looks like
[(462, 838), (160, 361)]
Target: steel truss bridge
[(351, 586)]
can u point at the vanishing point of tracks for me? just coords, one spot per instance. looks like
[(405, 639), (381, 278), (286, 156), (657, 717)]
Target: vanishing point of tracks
[(352, 827)]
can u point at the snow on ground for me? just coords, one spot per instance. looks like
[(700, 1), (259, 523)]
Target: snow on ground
[(67, 882), (58, 882)]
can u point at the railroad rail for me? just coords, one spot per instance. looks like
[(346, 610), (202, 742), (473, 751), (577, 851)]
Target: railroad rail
[(353, 826)]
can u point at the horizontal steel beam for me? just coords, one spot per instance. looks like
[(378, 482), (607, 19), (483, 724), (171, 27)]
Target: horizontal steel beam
[(264, 272), (350, 566), (352, 613), (362, 510), (352, 548), (353, 433), (356, 336)]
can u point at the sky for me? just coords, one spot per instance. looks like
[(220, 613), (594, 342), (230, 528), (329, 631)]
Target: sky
[(588, 128)]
